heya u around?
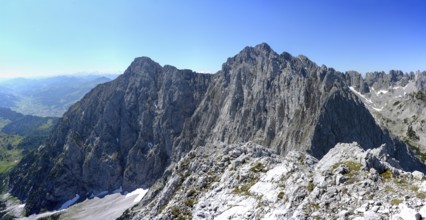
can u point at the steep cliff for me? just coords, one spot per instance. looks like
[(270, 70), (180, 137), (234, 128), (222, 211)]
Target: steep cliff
[(126, 132), (121, 134)]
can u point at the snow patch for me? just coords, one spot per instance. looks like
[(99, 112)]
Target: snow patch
[(41, 215), (405, 87), (109, 207), (381, 92), (377, 109), (70, 202), (422, 211), (406, 213), (360, 95), (140, 194)]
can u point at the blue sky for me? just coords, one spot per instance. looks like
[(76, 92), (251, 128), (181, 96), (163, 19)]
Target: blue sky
[(46, 37)]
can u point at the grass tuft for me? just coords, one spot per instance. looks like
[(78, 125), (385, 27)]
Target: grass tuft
[(395, 201)]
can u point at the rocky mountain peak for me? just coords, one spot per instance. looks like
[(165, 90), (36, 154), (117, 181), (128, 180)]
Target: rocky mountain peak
[(143, 65), (263, 47), (253, 55), (305, 59), (126, 133), (286, 55)]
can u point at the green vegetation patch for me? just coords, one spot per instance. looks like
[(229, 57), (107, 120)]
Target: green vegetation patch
[(421, 195), (420, 96), (47, 125), (387, 174), (389, 189), (313, 207), (189, 202), (4, 122), (180, 214), (395, 201), (244, 189), (281, 195), (6, 166), (413, 147), (9, 154), (414, 188), (411, 134), (310, 187), (351, 165), (175, 211), (353, 170), (258, 167)]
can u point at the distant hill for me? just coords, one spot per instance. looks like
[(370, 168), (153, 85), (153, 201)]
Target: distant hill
[(7, 114), (49, 96), (32, 128), (25, 125), (7, 99), (19, 134)]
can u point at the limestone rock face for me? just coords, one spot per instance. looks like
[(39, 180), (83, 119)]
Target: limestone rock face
[(381, 80), (125, 133), (356, 80), (121, 134), (420, 79)]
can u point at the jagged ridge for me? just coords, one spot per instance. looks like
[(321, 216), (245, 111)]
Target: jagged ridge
[(126, 132)]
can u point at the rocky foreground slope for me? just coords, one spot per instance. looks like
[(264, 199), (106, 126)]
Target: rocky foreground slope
[(248, 181), (126, 133)]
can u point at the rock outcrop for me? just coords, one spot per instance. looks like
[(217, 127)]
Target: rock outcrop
[(248, 181), (125, 133)]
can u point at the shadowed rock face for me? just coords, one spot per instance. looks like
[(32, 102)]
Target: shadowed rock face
[(126, 132)]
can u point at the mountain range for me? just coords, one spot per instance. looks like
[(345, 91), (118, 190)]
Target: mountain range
[(139, 131), (48, 96)]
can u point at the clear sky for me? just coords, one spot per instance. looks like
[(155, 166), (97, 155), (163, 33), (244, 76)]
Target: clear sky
[(68, 36)]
